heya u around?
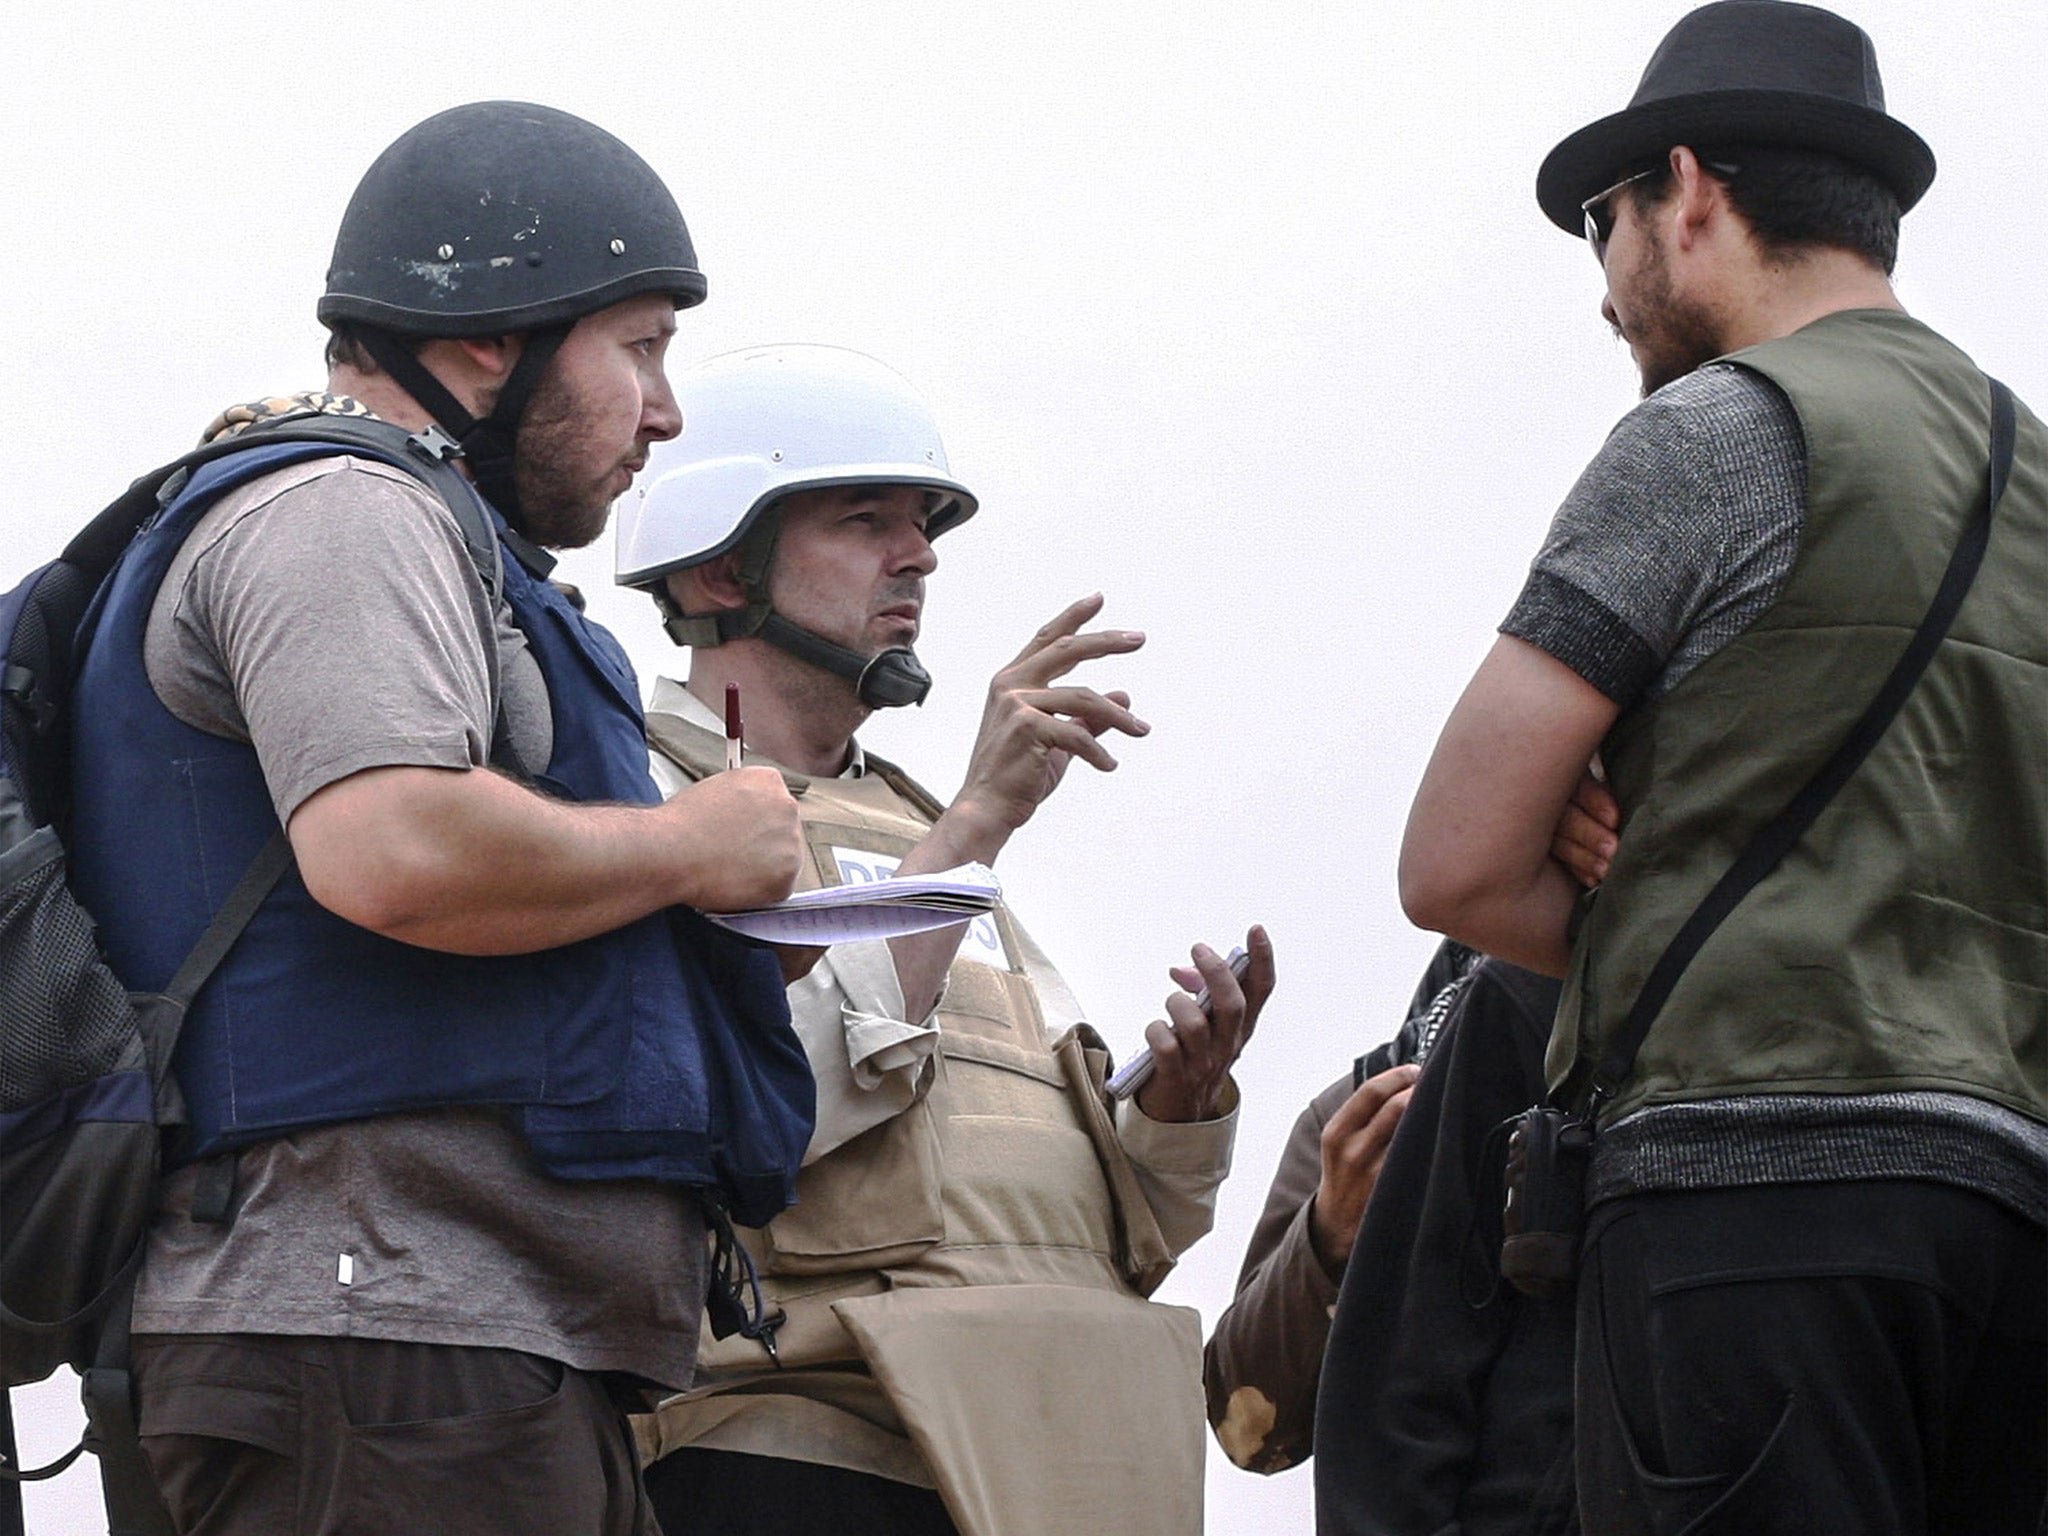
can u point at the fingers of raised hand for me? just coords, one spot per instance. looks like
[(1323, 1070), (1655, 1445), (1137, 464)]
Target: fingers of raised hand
[(1165, 1045), (1369, 1098), (1066, 622), (1097, 712), (1061, 735), (1226, 996), (1184, 1051), (1049, 657), (1261, 975)]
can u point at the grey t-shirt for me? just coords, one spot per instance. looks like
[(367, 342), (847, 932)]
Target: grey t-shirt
[(1680, 533), (329, 615)]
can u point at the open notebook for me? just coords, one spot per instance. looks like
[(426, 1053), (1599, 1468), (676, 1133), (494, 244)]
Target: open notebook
[(873, 909)]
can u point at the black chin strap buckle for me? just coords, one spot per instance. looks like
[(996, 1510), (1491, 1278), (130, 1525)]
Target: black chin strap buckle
[(883, 681), (893, 678)]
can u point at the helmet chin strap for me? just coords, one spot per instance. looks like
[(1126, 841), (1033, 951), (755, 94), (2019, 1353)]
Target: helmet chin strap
[(490, 443), (886, 680)]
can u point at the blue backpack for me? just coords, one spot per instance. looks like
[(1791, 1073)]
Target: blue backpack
[(86, 1095)]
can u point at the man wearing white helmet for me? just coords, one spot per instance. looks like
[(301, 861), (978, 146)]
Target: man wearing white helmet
[(961, 1340)]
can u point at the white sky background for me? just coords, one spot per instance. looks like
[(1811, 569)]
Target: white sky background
[(1248, 319)]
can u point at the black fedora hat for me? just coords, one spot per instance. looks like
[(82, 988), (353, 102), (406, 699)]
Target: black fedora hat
[(1745, 71)]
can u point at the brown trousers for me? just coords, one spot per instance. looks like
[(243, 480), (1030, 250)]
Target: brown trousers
[(254, 1435)]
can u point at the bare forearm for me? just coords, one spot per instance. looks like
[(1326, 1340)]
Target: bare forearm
[(1524, 923), (1475, 860), (473, 863)]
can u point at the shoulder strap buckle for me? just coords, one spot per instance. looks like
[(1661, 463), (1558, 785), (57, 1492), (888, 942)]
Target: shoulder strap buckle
[(435, 444)]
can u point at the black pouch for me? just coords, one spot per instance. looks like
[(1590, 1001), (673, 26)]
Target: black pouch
[(1545, 1215)]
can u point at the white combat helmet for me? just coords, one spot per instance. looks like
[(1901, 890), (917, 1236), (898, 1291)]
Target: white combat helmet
[(758, 425), (763, 422)]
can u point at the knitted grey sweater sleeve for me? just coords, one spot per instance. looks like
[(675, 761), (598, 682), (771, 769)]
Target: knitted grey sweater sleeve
[(1678, 535)]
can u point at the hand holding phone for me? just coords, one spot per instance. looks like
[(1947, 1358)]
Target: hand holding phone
[(1133, 1074)]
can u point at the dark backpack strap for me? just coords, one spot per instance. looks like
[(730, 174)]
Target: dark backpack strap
[(429, 455), (256, 883), (1776, 837), (213, 1195), (112, 1433), (10, 1485)]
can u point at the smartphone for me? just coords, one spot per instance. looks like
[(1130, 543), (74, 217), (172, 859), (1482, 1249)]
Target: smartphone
[(1133, 1074)]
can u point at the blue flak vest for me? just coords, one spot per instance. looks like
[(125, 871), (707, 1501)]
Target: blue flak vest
[(660, 1050)]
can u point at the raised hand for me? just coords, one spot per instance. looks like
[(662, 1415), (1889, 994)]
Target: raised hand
[(1192, 1059), (1355, 1142), (1031, 729)]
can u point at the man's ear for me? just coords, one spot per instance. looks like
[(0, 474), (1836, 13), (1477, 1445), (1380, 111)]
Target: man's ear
[(473, 368), (492, 356), (709, 587), (1698, 198)]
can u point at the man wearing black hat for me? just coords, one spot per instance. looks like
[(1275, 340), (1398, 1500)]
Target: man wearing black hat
[(1811, 1286)]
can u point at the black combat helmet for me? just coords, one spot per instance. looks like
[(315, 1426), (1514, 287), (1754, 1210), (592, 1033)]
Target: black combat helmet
[(499, 217)]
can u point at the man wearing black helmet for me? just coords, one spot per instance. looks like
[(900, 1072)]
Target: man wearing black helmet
[(461, 1091), (1811, 1286)]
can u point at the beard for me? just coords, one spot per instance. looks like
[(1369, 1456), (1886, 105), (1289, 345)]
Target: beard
[(560, 505), (1669, 335)]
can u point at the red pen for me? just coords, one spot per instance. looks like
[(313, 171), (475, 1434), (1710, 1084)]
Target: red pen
[(735, 729)]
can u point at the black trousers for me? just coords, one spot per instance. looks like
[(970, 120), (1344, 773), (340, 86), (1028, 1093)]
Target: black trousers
[(1856, 1359), (725, 1493)]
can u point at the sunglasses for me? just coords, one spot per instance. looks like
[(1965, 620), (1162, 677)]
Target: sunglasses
[(1599, 211)]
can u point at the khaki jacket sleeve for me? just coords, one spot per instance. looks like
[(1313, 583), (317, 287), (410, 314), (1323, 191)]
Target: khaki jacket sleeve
[(1266, 1355)]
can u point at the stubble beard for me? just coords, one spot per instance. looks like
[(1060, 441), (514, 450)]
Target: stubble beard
[(558, 512), (1671, 336)]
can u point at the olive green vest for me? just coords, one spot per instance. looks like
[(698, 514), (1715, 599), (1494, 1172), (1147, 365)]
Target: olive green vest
[(1903, 944)]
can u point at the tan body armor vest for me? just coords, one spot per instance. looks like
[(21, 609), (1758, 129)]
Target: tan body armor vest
[(988, 1247)]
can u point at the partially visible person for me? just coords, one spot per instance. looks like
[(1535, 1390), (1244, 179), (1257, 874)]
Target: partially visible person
[(1446, 1399), (962, 1339), (459, 1096), (1265, 1354)]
